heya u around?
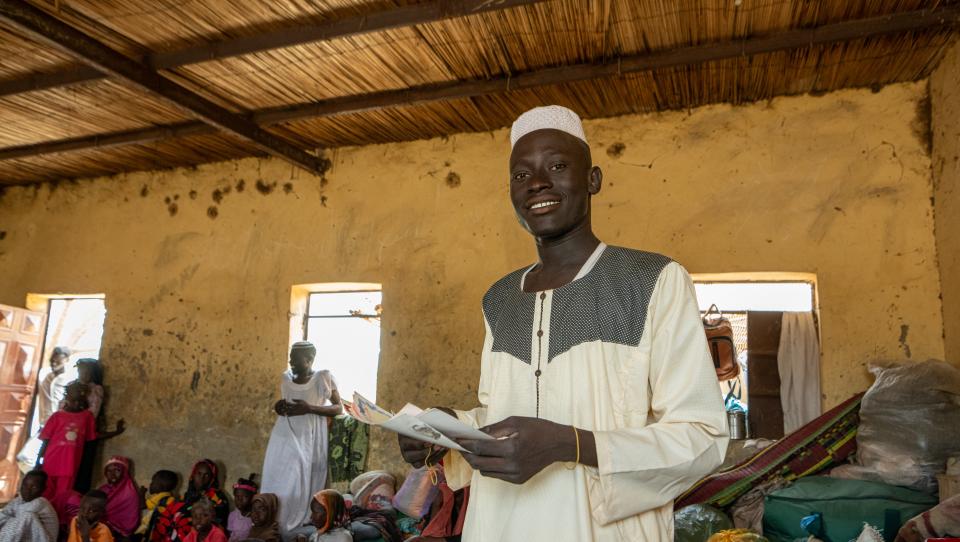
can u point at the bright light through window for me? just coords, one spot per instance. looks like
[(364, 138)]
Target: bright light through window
[(345, 327), (756, 296), (78, 324)]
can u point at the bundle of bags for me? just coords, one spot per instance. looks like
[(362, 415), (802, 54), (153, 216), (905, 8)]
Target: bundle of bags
[(909, 425)]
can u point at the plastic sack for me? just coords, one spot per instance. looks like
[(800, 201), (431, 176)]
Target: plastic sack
[(941, 521), (373, 489), (698, 522), (870, 534), (733, 402), (909, 425), (747, 511), (418, 491)]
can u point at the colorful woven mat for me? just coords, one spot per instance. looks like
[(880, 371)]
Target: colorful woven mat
[(825, 441)]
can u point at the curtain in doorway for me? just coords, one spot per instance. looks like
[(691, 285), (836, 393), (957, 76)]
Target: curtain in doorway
[(798, 361)]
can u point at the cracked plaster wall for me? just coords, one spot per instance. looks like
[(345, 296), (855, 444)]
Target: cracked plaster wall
[(945, 98), (197, 264)]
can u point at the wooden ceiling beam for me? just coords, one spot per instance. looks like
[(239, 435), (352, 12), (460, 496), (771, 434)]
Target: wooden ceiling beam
[(112, 139), (788, 40), (307, 31), (41, 26), (44, 81)]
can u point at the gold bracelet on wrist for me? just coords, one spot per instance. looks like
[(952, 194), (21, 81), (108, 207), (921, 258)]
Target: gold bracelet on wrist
[(576, 435)]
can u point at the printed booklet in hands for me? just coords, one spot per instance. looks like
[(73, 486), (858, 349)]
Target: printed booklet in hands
[(432, 425)]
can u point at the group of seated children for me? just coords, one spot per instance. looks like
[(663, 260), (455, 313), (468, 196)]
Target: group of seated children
[(119, 511), (203, 515), (373, 510)]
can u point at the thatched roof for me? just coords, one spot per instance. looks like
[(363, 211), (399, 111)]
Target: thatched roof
[(471, 72)]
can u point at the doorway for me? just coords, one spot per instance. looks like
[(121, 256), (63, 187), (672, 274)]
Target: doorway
[(76, 325), (68, 328)]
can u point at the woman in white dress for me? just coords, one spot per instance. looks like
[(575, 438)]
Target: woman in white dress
[(295, 466)]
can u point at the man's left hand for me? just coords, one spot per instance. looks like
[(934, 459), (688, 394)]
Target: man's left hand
[(523, 447)]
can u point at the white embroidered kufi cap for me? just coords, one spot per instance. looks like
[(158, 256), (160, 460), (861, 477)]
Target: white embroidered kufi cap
[(552, 116)]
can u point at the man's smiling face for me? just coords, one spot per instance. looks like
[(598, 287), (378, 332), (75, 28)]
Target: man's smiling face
[(551, 181)]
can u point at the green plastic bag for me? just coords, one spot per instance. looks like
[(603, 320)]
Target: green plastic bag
[(695, 523), (845, 505)]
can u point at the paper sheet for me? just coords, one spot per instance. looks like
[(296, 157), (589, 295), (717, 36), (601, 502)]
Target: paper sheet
[(433, 425)]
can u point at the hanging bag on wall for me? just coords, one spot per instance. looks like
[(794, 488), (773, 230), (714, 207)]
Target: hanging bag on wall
[(720, 340)]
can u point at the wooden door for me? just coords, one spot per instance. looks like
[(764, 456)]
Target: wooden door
[(21, 340), (763, 375)]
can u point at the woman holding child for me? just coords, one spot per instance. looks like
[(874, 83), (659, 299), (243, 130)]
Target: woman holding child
[(295, 465), (176, 522)]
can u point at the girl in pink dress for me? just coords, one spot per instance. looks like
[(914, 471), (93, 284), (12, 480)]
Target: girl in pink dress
[(64, 436)]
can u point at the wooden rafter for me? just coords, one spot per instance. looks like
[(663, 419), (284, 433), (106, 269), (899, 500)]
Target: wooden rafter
[(64, 37), (296, 34), (787, 40)]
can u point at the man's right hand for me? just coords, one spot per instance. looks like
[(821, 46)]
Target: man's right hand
[(415, 452), (280, 407)]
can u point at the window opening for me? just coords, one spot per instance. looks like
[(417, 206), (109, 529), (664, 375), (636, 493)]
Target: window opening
[(345, 327), (733, 297), (736, 297)]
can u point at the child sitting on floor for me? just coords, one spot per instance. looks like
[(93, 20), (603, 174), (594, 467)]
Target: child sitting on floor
[(122, 514), (239, 521), (263, 513), (29, 516), (176, 521), (156, 500), (328, 513), (204, 529), (87, 527)]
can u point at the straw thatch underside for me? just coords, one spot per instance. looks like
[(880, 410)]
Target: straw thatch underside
[(494, 44)]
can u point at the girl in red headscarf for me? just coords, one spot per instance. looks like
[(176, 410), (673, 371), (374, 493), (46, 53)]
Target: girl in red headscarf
[(176, 521), (122, 513)]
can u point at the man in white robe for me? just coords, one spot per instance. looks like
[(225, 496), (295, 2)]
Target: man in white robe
[(29, 517), (595, 375), (50, 392), (295, 464)]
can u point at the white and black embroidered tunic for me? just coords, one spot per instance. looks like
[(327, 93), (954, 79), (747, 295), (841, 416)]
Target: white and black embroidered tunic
[(619, 351)]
